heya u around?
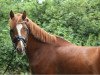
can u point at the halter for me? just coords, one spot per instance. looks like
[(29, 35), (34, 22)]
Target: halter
[(19, 38)]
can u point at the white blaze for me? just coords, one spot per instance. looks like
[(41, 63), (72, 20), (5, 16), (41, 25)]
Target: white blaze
[(19, 27)]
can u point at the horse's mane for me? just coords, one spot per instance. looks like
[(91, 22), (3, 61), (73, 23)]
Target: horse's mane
[(40, 33)]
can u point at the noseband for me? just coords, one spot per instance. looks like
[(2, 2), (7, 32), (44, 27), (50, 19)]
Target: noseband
[(19, 38)]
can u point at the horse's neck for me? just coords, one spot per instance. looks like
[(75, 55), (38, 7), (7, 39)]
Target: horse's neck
[(34, 46), (33, 43), (40, 33), (61, 41)]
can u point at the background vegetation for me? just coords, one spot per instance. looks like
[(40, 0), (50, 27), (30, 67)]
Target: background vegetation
[(77, 21)]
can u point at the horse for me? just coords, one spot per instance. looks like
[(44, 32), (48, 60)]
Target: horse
[(48, 53)]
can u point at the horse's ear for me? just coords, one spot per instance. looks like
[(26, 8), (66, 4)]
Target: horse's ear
[(11, 14), (24, 15)]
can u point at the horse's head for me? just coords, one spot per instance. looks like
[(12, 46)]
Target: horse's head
[(19, 30)]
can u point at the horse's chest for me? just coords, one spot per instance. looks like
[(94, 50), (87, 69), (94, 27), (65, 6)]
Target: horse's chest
[(43, 64)]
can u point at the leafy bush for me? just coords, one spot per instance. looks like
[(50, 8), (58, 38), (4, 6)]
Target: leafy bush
[(75, 20)]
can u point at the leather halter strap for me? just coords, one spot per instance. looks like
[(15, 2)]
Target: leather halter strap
[(18, 38)]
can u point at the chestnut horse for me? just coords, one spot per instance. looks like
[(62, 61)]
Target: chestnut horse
[(49, 54)]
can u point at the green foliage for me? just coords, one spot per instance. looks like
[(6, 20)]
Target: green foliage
[(75, 20)]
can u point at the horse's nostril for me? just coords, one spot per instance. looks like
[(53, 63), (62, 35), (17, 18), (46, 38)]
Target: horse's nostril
[(19, 49)]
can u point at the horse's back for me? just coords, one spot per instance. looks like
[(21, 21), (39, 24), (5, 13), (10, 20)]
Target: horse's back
[(77, 59)]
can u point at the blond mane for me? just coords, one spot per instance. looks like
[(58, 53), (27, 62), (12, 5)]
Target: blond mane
[(40, 33)]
